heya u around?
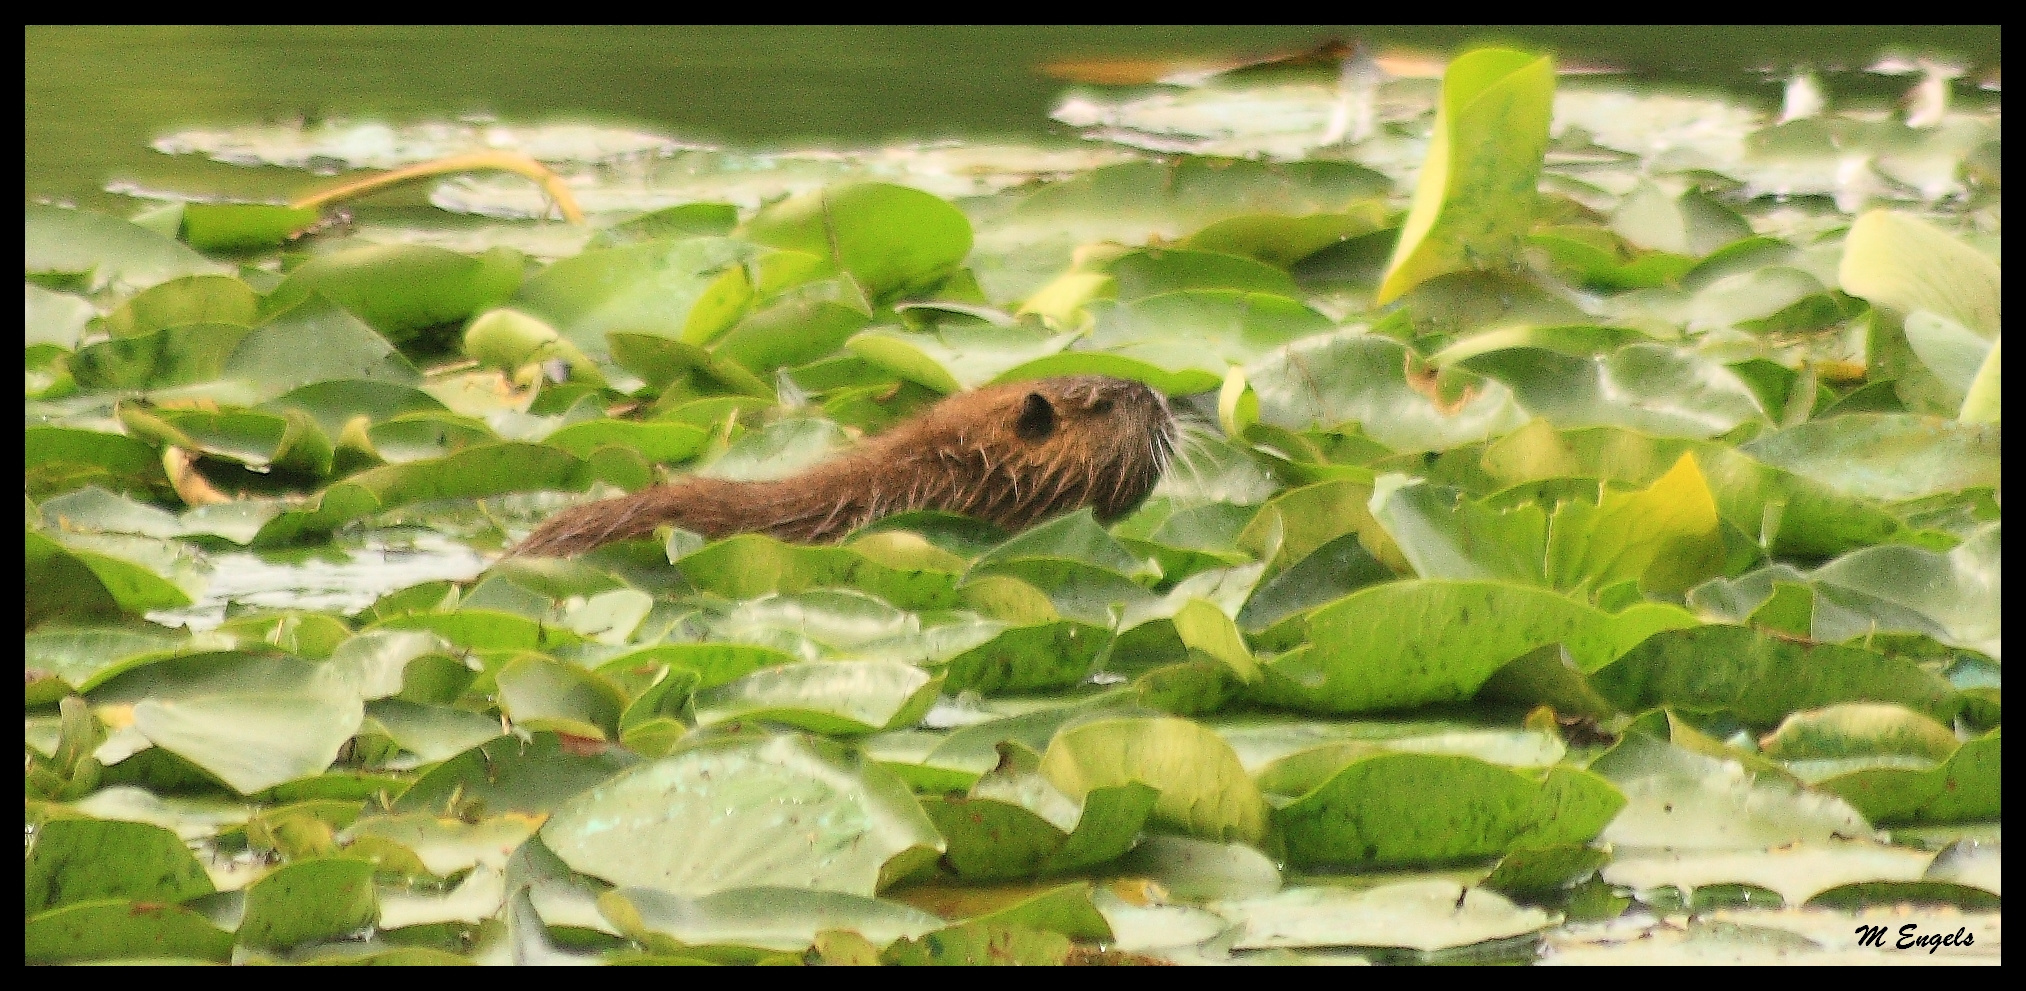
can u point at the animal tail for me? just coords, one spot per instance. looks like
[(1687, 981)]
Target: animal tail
[(592, 525)]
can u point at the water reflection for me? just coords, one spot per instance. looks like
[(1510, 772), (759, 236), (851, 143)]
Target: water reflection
[(343, 580)]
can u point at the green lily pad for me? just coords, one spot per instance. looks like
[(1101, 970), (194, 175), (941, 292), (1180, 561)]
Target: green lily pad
[(314, 341), (1352, 377), (1885, 455), (1027, 658), (399, 289), (482, 470), (64, 581), (687, 220), (1065, 909), (1858, 729), (1204, 791), (541, 694), (1017, 824), (55, 317), (980, 944), (254, 722), (1426, 915), (892, 239), (192, 299), (1414, 642), (773, 918), (309, 901), (687, 289), (799, 815), (1900, 261), (1475, 198), (79, 860), (1423, 808), (1676, 797), (117, 929), (791, 332), (1967, 787), (830, 697), (748, 565), (1651, 388), (952, 358), (1195, 334), (242, 227), (511, 775), (1279, 239), (100, 251), (1762, 679), (1145, 272)]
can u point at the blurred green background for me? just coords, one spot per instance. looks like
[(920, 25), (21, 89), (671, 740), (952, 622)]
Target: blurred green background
[(95, 96)]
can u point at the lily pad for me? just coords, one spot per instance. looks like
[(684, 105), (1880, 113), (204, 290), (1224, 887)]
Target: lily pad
[(890, 238), (100, 251), (799, 815), (116, 929), (1422, 808), (1414, 642), (1204, 791), (1475, 197), (830, 697), (80, 860), (1422, 915)]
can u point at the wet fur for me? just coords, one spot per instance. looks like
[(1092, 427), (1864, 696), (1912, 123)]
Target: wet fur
[(1010, 454)]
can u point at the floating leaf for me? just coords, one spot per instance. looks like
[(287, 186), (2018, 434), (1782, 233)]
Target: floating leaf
[(1475, 198), (101, 251), (1967, 787), (837, 698), (1425, 915), (309, 901), (399, 289), (749, 565), (85, 583), (1352, 377), (1762, 678), (1678, 798), (687, 289), (774, 918), (890, 238), (953, 358), (1422, 808), (1018, 825), (242, 227), (1279, 239), (1415, 642), (55, 317), (212, 299), (541, 694), (1885, 455), (253, 721), (1900, 261), (1652, 388), (799, 815), (118, 929), (314, 341), (511, 775), (79, 860), (1204, 791)]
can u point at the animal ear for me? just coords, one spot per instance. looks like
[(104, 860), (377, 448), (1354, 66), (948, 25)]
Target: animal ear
[(1037, 418)]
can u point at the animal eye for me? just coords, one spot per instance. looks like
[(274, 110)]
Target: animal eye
[(1103, 405)]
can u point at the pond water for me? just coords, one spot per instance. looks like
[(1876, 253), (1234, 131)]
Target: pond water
[(96, 96)]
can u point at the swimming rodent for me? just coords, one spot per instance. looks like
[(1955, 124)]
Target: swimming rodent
[(1010, 454)]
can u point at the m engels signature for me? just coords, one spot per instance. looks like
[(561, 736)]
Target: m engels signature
[(1910, 937)]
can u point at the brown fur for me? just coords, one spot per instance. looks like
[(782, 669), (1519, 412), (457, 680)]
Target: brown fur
[(1011, 454)]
